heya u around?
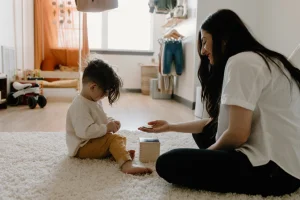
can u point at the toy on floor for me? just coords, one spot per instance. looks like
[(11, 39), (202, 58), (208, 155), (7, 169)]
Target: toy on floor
[(26, 94), (148, 126), (149, 149)]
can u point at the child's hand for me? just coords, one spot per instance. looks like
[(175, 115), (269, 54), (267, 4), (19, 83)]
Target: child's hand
[(112, 127), (118, 124)]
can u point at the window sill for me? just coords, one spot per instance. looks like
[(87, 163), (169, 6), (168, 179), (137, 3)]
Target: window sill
[(123, 52)]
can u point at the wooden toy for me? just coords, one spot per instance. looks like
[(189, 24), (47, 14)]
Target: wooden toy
[(149, 149)]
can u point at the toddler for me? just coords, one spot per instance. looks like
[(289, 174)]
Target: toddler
[(90, 133)]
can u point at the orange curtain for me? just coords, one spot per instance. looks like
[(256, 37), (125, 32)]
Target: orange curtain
[(57, 30)]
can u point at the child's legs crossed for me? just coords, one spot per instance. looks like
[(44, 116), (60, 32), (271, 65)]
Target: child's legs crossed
[(104, 146), (95, 148), (118, 149)]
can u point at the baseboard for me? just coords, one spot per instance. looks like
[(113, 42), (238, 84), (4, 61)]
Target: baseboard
[(132, 90), (184, 101)]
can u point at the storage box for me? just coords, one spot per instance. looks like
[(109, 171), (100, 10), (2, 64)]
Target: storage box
[(154, 93), (149, 149)]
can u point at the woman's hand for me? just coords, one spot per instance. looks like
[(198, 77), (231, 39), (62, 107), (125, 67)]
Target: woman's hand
[(158, 126)]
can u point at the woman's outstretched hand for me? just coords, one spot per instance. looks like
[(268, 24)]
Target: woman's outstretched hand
[(158, 126)]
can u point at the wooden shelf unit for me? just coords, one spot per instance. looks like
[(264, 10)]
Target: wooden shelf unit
[(173, 22)]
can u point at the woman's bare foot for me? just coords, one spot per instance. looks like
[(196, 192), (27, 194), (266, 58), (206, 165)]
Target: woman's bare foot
[(131, 153), (129, 168)]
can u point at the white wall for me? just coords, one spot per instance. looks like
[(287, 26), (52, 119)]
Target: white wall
[(18, 33), (7, 35), (25, 42), (185, 83), (28, 34), (248, 10), (6, 24), (280, 25), (129, 66)]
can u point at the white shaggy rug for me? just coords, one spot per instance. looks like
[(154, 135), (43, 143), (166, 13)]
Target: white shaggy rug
[(36, 166)]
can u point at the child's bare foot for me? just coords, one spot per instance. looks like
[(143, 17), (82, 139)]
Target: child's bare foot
[(131, 153), (130, 168), (111, 158)]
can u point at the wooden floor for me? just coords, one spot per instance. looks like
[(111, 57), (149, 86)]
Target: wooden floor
[(132, 109)]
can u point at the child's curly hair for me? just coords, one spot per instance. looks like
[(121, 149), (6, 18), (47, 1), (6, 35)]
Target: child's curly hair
[(105, 77)]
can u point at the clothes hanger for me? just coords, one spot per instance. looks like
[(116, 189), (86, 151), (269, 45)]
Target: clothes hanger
[(174, 34), (160, 40)]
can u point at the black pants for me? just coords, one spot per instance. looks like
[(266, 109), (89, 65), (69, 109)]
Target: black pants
[(222, 171)]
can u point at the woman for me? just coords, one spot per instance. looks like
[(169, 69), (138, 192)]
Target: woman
[(251, 143)]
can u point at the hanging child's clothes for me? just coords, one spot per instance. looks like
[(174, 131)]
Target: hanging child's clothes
[(170, 64), (151, 6), (165, 84), (173, 53), (161, 6)]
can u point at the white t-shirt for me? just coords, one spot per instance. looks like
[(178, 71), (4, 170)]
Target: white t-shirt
[(85, 120), (275, 129)]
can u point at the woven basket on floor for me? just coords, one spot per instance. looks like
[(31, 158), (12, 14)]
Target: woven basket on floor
[(147, 73)]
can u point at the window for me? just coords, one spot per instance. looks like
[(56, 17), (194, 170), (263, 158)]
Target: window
[(129, 27)]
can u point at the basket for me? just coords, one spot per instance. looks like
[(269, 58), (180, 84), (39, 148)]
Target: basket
[(147, 73)]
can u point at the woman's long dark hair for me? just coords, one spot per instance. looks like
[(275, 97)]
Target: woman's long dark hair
[(230, 36)]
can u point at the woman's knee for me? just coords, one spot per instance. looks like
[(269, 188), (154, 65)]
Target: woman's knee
[(165, 163), (161, 163)]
